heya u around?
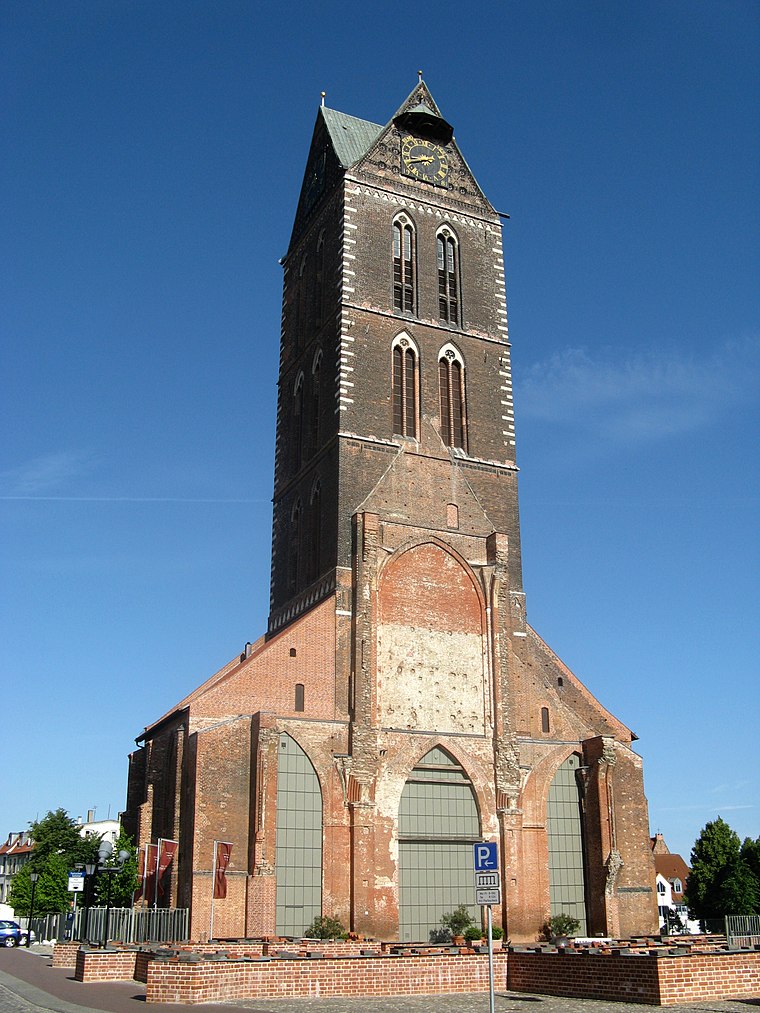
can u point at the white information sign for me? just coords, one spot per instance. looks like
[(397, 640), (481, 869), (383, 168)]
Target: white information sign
[(487, 897), (76, 882), (486, 880)]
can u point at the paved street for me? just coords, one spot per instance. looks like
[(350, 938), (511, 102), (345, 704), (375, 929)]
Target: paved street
[(28, 984)]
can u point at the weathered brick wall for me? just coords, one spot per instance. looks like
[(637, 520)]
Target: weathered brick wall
[(105, 965), (584, 974), (700, 977), (65, 954), (658, 978), (173, 981)]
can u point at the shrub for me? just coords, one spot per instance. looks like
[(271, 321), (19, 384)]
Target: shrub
[(472, 932), (457, 921), (497, 932), (325, 928), (561, 925)]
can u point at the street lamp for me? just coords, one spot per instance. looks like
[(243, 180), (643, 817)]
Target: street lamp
[(34, 876), (104, 853), (89, 871)]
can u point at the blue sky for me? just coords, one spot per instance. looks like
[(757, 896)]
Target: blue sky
[(153, 154)]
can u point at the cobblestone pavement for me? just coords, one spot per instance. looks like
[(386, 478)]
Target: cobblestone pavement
[(505, 1002)]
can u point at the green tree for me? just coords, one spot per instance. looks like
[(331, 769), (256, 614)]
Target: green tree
[(324, 927), (750, 854), (58, 848), (722, 880)]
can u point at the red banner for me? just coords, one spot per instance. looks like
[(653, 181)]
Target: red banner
[(150, 873), (165, 856), (223, 852)]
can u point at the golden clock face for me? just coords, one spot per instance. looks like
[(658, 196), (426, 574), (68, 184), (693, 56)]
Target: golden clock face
[(424, 160)]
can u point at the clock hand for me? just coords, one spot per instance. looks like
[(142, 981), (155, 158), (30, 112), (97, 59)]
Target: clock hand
[(422, 158)]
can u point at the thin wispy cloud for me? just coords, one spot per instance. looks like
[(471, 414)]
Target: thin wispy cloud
[(734, 786), (697, 807), (44, 474), (645, 395), (44, 479)]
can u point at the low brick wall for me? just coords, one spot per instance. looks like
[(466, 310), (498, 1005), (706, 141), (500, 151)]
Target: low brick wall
[(659, 977), (584, 974), (645, 973), (709, 976), (105, 965), (65, 954), (142, 959), (177, 981)]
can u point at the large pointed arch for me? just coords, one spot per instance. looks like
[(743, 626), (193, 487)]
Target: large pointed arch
[(431, 662), (438, 823), (299, 839), (564, 832)]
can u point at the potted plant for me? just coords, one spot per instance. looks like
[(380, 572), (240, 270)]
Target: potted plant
[(561, 928), (456, 922), (324, 927)]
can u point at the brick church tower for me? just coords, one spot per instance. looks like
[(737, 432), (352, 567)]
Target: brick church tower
[(399, 707)]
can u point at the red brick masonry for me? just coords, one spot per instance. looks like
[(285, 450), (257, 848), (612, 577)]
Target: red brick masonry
[(660, 975), (216, 981)]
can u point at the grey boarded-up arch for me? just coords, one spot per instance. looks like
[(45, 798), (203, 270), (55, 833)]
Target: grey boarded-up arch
[(437, 825), (564, 830), (299, 840)]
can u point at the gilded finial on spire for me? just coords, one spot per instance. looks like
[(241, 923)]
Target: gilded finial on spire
[(323, 93), (419, 77)]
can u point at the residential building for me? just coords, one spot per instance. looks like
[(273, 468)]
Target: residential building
[(14, 854)]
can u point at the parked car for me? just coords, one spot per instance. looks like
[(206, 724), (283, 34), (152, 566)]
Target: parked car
[(31, 932), (10, 933)]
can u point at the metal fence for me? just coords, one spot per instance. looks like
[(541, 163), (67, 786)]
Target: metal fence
[(743, 930), (127, 925)]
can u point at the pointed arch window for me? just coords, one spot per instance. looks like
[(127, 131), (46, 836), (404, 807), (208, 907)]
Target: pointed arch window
[(405, 387), (294, 546), (447, 250), (315, 533), (451, 390), (320, 281), (438, 822), (298, 841), (404, 266), (298, 422), (302, 302), (564, 831), (316, 393)]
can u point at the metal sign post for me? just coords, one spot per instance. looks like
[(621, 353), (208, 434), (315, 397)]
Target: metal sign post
[(488, 892)]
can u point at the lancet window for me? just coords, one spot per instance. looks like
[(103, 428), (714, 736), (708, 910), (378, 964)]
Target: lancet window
[(451, 387), (404, 266), (405, 387)]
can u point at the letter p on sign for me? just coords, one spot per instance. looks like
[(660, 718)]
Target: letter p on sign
[(486, 856)]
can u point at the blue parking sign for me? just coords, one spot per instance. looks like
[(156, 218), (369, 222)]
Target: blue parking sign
[(486, 856)]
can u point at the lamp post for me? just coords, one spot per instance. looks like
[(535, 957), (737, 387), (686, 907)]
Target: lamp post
[(104, 853), (34, 876), (89, 871)]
